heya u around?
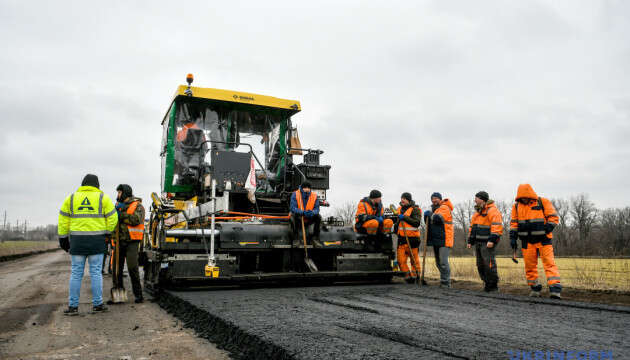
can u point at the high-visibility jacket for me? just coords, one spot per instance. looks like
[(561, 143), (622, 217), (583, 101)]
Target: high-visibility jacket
[(310, 203), (404, 228), (367, 211), (135, 232), (530, 221), (442, 232), (181, 134), (87, 216), (484, 223)]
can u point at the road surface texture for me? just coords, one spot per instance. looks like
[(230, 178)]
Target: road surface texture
[(395, 322), (33, 294)]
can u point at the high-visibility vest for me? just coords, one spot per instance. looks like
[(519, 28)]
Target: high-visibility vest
[(406, 229), (88, 211), (135, 232), (485, 223), (310, 204)]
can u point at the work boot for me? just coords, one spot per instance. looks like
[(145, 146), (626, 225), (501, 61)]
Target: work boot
[(555, 295), (410, 280), (445, 286), (534, 293), (317, 242), (139, 300), (490, 288), (99, 309), (71, 311)]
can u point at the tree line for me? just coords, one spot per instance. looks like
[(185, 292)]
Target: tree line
[(583, 229), (38, 233)]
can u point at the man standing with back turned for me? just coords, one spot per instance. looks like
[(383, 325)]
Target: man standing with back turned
[(86, 218)]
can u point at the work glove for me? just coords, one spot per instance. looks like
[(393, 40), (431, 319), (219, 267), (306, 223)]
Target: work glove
[(549, 227), (513, 237), (427, 214), (119, 206), (379, 219), (437, 220), (494, 238), (309, 214), (299, 212), (401, 217), (64, 243)]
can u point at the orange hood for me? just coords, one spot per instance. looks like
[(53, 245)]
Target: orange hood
[(448, 203), (525, 191)]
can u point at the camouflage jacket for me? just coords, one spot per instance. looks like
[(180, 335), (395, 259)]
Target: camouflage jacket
[(125, 219)]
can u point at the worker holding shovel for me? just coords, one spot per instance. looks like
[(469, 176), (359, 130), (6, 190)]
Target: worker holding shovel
[(409, 218)]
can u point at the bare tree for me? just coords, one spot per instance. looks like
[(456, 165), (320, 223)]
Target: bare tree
[(345, 212), (462, 213), (505, 208), (584, 215), (561, 233)]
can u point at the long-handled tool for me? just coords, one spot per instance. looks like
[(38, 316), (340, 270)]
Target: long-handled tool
[(118, 293), (413, 258), (308, 261), (514, 256), (424, 250)]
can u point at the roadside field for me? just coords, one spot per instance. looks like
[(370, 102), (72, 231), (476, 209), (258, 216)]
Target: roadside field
[(578, 273), (20, 247)]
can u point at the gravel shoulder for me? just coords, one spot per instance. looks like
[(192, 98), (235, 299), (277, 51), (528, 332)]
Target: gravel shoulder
[(33, 294)]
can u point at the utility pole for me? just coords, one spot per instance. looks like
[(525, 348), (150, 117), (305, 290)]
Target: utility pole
[(4, 224)]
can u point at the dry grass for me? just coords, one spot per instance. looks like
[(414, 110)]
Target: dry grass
[(20, 247), (579, 273)]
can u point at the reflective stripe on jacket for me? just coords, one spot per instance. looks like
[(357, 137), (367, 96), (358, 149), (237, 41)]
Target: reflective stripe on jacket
[(529, 220), (135, 232), (88, 211), (365, 211), (483, 224), (404, 228)]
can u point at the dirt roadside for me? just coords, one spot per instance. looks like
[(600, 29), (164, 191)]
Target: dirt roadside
[(33, 294)]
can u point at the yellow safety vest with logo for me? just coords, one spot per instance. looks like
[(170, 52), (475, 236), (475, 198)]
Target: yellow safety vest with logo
[(87, 212)]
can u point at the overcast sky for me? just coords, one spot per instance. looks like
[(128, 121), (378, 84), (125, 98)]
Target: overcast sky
[(416, 96)]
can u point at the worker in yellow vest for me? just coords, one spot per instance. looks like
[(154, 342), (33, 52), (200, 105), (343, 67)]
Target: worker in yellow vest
[(130, 232), (87, 217)]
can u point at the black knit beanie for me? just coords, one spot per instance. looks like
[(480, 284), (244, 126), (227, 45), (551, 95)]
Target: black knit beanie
[(90, 180), (483, 195), (406, 195), (375, 194)]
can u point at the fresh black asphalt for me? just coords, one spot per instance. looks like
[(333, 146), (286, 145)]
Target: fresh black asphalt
[(395, 322)]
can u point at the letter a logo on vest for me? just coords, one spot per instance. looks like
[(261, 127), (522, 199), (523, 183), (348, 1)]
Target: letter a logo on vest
[(85, 205)]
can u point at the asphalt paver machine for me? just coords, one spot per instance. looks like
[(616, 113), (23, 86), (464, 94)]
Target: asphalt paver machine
[(222, 216)]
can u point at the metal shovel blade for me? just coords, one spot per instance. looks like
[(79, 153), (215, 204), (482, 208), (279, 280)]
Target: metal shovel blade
[(310, 264), (118, 295)]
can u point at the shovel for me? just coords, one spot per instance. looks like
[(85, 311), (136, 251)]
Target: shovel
[(308, 261), (118, 293), (514, 256)]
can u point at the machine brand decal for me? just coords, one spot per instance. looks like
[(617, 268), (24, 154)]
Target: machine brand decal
[(243, 98)]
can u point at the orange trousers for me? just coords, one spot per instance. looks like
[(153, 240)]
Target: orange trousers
[(530, 257), (403, 255), (372, 226)]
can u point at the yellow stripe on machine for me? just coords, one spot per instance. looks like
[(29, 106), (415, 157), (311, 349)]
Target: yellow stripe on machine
[(240, 97), (243, 243), (328, 243)]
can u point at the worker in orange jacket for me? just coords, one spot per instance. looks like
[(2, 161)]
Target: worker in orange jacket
[(369, 216), (441, 235), (486, 228), (533, 220), (409, 218)]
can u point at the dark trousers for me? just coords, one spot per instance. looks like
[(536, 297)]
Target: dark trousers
[(296, 222), (129, 252), (487, 265)]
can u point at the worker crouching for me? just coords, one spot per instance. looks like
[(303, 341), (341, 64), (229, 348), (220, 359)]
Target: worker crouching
[(369, 216), (533, 220), (486, 228), (408, 232)]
